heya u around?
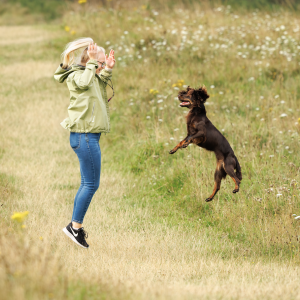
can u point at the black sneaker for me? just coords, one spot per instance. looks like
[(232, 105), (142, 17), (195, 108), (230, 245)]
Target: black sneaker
[(77, 236)]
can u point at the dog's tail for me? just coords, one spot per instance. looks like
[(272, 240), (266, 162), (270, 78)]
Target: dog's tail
[(238, 170)]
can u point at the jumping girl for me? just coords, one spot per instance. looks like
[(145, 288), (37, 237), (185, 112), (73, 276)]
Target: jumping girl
[(86, 77)]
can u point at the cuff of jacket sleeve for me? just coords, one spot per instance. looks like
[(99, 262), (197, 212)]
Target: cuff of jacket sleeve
[(92, 63), (108, 69)]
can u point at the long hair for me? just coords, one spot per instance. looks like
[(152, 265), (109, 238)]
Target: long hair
[(68, 56)]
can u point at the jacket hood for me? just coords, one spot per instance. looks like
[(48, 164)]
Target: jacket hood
[(62, 74)]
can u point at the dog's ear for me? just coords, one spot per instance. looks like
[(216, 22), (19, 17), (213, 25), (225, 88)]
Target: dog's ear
[(200, 94), (183, 92)]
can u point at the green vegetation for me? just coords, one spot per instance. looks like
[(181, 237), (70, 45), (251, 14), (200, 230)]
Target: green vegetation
[(50, 9), (24, 11), (263, 4)]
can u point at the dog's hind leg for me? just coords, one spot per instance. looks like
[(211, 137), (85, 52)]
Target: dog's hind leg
[(229, 166), (219, 174)]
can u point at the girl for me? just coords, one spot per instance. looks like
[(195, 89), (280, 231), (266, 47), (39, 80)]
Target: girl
[(88, 118)]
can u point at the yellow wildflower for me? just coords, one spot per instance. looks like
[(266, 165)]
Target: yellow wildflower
[(144, 7), (23, 226), (82, 1), (41, 238), (153, 91), (20, 216), (179, 83), (73, 32), (299, 120), (67, 28)]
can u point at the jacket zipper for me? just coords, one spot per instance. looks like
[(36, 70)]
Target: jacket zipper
[(92, 113)]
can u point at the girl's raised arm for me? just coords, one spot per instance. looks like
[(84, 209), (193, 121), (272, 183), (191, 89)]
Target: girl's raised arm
[(84, 80)]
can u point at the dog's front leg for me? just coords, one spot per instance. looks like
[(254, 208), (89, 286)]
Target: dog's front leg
[(197, 138), (180, 145)]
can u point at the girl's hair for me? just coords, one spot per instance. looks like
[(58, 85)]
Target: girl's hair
[(70, 55)]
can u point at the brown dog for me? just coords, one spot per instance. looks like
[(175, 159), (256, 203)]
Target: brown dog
[(203, 133)]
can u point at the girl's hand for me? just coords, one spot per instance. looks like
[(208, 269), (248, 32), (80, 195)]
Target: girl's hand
[(93, 51), (110, 60)]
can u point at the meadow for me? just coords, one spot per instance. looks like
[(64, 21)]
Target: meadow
[(151, 234)]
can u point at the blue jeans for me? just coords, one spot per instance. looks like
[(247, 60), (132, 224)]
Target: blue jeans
[(87, 148)]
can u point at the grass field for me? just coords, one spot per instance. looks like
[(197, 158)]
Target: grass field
[(151, 234)]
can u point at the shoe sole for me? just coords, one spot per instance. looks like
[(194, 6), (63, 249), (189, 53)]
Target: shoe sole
[(65, 230)]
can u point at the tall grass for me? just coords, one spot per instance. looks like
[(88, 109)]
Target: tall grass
[(31, 11), (151, 233)]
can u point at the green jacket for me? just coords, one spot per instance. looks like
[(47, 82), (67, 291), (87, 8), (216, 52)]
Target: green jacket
[(88, 110)]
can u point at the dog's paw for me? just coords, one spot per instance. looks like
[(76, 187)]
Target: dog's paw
[(208, 199), (235, 191), (172, 151)]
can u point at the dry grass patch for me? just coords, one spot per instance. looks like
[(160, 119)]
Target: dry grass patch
[(22, 35)]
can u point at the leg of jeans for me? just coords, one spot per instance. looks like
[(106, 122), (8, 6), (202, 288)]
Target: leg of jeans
[(89, 156), (75, 141), (78, 192)]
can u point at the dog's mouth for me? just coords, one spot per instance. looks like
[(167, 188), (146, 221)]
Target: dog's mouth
[(184, 102)]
